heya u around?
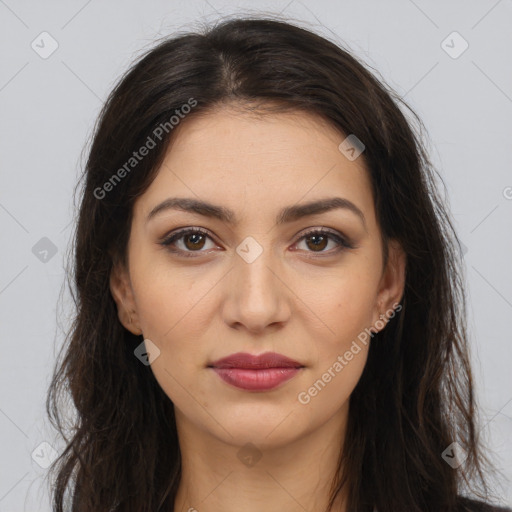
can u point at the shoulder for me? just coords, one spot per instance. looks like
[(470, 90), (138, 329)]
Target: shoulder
[(470, 505)]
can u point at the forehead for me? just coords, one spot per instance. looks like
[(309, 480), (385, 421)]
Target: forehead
[(244, 159), (263, 138)]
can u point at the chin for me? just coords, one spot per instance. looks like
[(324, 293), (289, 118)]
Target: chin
[(266, 427)]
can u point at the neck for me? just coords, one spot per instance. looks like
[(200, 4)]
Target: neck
[(221, 476)]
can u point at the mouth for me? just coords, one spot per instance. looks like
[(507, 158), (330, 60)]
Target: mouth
[(256, 372)]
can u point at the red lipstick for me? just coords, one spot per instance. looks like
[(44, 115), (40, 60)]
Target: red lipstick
[(256, 372)]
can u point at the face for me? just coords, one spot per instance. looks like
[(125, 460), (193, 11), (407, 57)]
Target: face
[(264, 274)]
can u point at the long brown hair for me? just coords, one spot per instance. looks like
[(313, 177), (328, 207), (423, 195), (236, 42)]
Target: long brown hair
[(415, 397)]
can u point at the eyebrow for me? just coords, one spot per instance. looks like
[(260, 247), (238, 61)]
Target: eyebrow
[(287, 214)]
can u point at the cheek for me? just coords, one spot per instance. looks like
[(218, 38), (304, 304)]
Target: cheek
[(345, 303), (175, 309), (176, 323), (340, 359), (170, 299), (331, 387)]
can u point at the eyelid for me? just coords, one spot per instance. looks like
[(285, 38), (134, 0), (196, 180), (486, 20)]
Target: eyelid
[(326, 231), (343, 241), (174, 236)]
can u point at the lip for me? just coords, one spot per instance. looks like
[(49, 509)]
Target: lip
[(256, 372)]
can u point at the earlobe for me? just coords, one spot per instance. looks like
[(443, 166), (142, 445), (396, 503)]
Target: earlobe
[(122, 293)]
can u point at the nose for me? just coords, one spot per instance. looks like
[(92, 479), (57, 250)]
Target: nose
[(257, 298)]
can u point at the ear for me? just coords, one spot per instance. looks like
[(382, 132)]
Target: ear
[(122, 292), (392, 284)]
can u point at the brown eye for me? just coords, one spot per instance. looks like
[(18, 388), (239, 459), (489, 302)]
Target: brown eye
[(188, 242), (196, 241), (318, 241)]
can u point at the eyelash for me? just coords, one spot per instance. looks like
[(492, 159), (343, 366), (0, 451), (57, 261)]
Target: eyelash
[(173, 237)]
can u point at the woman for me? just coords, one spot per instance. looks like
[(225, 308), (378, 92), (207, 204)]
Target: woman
[(270, 308)]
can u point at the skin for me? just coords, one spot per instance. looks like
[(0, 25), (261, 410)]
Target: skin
[(307, 305)]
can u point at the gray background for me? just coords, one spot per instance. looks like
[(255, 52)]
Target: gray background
[(48, 107)]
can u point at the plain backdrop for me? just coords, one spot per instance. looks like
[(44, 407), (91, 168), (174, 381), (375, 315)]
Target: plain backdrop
[(451, 61)]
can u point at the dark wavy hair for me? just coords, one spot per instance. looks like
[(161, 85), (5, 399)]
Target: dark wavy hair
[(415, 396)]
